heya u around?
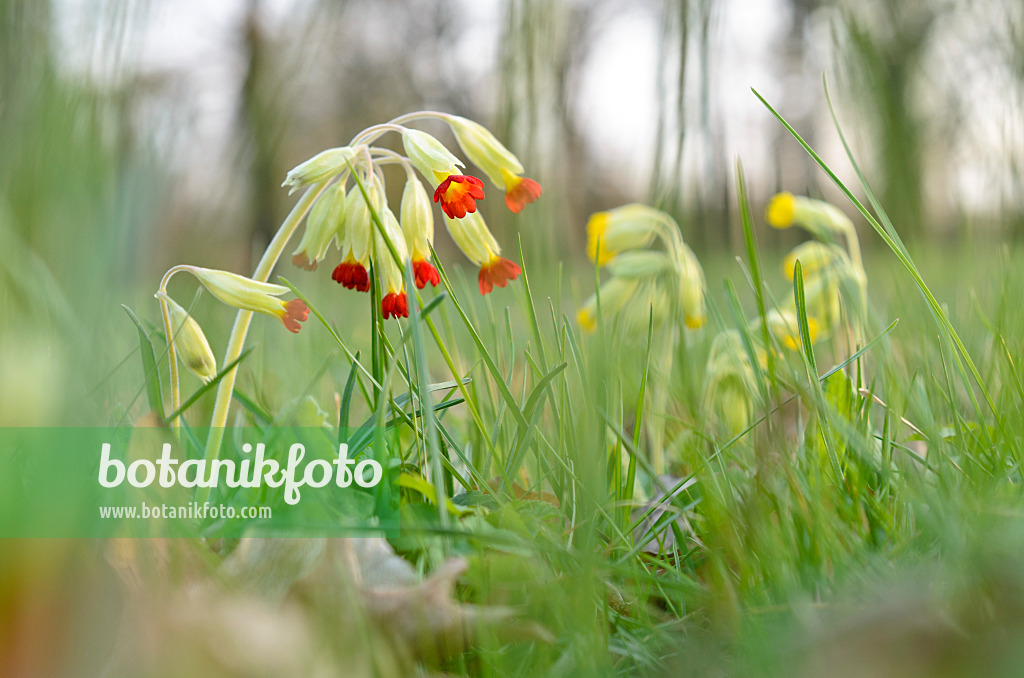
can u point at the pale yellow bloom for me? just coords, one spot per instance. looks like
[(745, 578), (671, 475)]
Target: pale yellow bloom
[(252, 295), (323, 166), (189, 340), (323, 225), (628, 227)]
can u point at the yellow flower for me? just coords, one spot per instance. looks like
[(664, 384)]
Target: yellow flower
[(820, 218), (193, 348), (623, 228), (691, 289), (781, 209), (814, 257), (252, 295), (614, 294), (785, 327)]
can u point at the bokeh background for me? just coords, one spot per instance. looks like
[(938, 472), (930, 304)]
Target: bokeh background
[(139, 134)]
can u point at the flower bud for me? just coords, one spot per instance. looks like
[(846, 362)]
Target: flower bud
[(429, 155), (417, 219), (691, 289), (322, 166), (323, 224), (189, 340), (730, 386)]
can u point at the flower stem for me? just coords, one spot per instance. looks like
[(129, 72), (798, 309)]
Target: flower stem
[(236, 341), (172, 354)]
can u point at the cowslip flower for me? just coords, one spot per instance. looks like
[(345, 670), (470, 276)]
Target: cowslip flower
[(252, 295), (672, 278), (478, 244), (818, 217), (417, 223), (691, 289), (355, 238), (815, 258), (390, 261), (628, 227), (456, 192), (730, 386), (323, 166), (322, 226), (785, 327), (497, 162), (193, 348), (613, 294)]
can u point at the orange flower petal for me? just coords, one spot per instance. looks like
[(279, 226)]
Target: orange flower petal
[(295, 312), (521, 193), (497, 272)]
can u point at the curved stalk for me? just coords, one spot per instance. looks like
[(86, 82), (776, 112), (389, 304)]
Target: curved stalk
[(172, 353), (236, 341)]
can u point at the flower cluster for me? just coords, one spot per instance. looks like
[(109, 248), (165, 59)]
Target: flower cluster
[(833, 277), (666, 282), (835, 289), (374, 241)]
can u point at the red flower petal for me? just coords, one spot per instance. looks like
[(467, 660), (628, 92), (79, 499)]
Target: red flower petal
[(458, 195), (395, 304), (352, 275), (425, 273), (519, 196), (497, 272)]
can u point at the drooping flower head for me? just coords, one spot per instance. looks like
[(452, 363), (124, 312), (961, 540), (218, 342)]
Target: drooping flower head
[(823, 220), (193, 348), (632, 226), (478, 244), (497, 162), (390, 256), (669, 278), (417, 222), (252, 295), (356, 241), (456, 192), (323, 225)]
